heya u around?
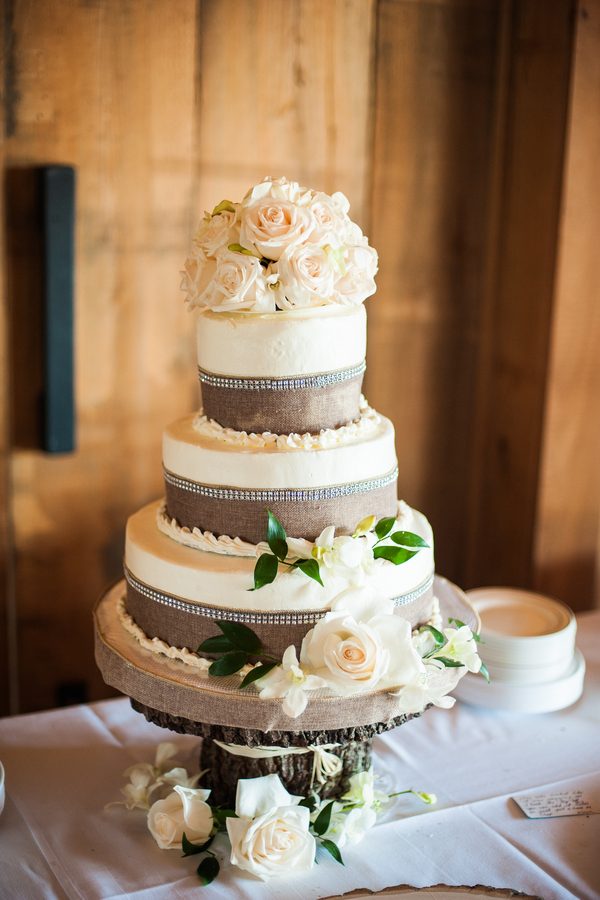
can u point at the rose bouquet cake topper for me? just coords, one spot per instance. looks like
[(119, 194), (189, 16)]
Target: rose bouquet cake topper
[(283, 247)]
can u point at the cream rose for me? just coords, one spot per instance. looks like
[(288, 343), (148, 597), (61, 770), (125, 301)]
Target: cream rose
[(196, 276), (183, 810), (270, 836), (269, 225), (329, 221), (358, 282), (218, 232), (361, 644), (238, 283), (306, 275)]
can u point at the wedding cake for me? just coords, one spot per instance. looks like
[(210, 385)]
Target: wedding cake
[(280, 592)]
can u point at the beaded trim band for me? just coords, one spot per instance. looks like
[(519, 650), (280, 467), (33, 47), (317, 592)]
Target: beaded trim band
[(282, 495), (286, 617), (300, 383)]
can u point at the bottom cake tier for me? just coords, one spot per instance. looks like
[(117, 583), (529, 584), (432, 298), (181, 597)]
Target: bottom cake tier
[(245, 735)]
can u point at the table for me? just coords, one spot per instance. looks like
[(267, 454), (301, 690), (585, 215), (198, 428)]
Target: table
[(58, 843)]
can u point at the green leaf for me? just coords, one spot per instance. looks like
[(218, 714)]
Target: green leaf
[(485, 672), (265, 570), (384, 526), (228, 664), (208, 869), (255, 674), (242, 637), (237, 248), (309, 802), (216, 644), (333, 849), (224, 206), (408, 539), (450, 663), (396, 555), (221, 815), (310, 567), (439, 637), (276, 537), (321, 823), (190, 849)]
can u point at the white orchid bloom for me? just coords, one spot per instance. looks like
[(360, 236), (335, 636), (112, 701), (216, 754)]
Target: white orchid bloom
[(142, 783), (363, 792), (414, 697), (290, 682), (461, 647), (178, 777), (345, 556), (346, 826)]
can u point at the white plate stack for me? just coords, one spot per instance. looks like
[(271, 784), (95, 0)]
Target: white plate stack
[(528, 646)]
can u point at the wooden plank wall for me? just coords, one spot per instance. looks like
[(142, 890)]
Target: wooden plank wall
[(445, 122), (567, 534)]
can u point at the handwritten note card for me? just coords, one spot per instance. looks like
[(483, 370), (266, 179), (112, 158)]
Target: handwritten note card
[(561, 803)]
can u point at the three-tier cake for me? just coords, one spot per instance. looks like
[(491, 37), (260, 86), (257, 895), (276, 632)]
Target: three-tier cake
[(281, 515)]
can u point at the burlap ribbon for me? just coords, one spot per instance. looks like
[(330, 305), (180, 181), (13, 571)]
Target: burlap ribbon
[(183, 624), (283, 406), (243, 514)]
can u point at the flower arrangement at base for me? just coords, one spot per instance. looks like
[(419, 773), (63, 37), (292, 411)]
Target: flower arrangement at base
[(271, 832)]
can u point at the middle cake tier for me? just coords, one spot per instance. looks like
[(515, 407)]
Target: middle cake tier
[(225, 482)]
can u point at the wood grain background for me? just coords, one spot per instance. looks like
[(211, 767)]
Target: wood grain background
[(465, 134)]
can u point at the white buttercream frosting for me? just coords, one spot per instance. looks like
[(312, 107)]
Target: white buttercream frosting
[(282, 344), (330, 437), (221, 580), (208, 460)]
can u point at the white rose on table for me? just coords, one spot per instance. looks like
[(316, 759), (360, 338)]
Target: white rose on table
[(270, 836), (361, 645), (183, 810), (218, 232), (358, 282), (270, 225), (238, 282), (306, 275)]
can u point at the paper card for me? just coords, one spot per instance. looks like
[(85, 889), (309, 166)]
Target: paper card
[(560, 803)]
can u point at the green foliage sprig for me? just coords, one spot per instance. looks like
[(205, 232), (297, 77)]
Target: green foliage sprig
[(267, 565), (209, 868), (237, 643)]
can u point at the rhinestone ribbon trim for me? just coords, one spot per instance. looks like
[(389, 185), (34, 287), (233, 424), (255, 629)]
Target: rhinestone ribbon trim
[(273, 496), (286, 617), (302, 382)]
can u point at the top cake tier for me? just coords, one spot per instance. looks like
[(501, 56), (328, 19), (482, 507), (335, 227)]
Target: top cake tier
[(294, 371)]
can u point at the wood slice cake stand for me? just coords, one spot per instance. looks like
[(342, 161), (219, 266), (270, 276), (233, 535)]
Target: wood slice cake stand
[(181, 698)]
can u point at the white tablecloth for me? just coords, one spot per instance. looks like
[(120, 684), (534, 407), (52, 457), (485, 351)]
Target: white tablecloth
[(63, 766)]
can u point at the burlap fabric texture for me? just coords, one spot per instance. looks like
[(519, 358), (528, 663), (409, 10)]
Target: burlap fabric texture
[(247, 519), (296, 411), (160, 615)]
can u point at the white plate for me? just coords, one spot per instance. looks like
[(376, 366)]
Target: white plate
[(529, 674), (523, 629), (526, 698)]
